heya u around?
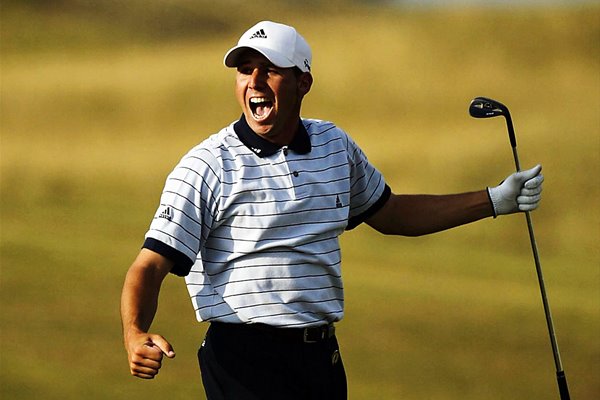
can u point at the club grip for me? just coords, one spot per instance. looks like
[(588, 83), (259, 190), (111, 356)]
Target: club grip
[(563, 389)]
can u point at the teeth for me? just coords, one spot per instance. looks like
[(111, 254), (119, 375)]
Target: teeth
[(261, 107)]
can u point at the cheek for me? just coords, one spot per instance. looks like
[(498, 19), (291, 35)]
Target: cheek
[(240, 94), (291, 102), (287, 95)]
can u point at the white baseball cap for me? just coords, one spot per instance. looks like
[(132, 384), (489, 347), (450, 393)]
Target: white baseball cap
[(280, 43)]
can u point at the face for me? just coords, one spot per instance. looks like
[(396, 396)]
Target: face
[(270, 96)]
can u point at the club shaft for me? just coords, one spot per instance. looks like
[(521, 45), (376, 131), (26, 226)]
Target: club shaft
[(516, 156), (540, 275), (562, 380)]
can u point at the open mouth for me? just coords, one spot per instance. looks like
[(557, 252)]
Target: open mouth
[(261, 107)]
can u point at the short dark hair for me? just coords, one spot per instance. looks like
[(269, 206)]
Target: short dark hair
[(297, 72)]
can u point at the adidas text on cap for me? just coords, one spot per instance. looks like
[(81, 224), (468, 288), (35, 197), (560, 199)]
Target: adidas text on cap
[(279, 43)]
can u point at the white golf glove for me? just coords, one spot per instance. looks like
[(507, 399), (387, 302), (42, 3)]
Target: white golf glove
[(521, 191)]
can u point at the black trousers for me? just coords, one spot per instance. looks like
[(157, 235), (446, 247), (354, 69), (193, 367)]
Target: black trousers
[(241, 362)]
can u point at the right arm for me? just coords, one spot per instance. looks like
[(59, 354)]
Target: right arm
[(139, 302)]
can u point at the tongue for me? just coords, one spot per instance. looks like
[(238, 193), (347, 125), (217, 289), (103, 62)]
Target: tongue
[(262, 110)]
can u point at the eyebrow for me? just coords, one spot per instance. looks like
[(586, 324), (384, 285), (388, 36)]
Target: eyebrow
[(259, 63)]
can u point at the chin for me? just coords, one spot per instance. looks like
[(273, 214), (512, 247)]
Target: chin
[(259, 127)]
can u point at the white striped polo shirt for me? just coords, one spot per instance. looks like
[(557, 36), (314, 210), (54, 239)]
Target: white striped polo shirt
[(254, 227)]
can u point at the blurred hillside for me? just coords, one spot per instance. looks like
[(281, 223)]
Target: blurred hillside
[(78, 24), (38, 25), (41, 25), (99, 99)]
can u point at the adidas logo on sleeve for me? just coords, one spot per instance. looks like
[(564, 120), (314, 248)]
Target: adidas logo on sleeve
[(167, 214)]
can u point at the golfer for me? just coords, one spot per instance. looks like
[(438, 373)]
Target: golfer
[(251, 217)]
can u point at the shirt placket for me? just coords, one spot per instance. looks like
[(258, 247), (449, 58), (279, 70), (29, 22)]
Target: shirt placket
[(294, 174)]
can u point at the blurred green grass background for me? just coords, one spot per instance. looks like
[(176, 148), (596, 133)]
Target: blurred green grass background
[(100, 99)]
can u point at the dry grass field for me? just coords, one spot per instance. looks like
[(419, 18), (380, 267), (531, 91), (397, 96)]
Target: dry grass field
[(99, 100)]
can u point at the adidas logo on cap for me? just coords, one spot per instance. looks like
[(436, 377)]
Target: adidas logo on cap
[(260, 34)]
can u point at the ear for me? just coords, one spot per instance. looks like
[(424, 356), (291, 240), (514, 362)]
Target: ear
[(305, 81)]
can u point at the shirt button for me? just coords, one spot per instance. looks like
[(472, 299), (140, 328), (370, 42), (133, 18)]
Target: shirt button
[(295, 173), (285, 151)]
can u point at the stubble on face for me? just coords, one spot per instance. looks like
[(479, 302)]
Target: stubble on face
[(270, 97)]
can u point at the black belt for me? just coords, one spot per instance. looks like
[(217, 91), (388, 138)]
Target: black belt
[(313, 334)]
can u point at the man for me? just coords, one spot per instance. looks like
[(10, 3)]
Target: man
[(251, 217)]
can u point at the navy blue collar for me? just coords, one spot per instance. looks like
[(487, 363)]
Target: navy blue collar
[(263, 148)]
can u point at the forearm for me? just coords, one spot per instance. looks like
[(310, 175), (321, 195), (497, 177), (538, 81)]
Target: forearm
[(138, 303), (415, 215), (139, 298)]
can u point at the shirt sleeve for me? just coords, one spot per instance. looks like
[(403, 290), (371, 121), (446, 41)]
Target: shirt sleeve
[(188, 207), (368, 190), (182, 264)]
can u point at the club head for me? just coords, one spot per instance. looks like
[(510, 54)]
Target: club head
[(482, 107)]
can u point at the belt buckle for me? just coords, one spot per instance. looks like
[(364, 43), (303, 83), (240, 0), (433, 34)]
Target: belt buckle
[(325, 332), (306, 337)]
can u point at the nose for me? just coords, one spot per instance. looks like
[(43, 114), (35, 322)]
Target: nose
[(257, 79)]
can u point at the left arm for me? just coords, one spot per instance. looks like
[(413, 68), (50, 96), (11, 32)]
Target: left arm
[(415, 215)]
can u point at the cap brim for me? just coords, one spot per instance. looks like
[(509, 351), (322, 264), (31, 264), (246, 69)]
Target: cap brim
[(232, 57)]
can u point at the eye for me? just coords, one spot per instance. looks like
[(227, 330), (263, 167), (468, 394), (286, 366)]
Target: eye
[(273, 71), (244, 70)]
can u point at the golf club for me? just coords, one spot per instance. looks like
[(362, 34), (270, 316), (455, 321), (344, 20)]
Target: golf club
[(482, 107)]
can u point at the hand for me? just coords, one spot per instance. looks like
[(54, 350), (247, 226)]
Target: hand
[(521, 191), (145, 353)]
